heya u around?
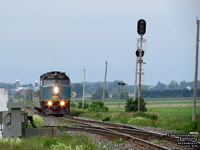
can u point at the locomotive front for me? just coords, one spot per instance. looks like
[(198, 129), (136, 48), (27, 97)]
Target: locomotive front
[(55, 91)]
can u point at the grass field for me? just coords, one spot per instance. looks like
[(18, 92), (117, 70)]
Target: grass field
[(175, 114), (149, 101)]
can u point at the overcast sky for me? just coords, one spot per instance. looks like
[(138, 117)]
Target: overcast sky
[(38, 36)]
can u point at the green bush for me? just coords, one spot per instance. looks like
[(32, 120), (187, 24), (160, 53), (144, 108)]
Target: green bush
[(38, 121), (11, 141), (86, 105), (107, 118), (98, 106), (72, 104), (152, 116), (142, 121), (132, 105), (60, 146), (49, 142), (192, 126)]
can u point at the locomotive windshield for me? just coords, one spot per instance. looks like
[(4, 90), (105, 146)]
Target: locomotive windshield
[(54, 78), (55, 82)]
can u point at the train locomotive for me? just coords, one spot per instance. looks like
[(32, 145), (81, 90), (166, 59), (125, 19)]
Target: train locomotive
[(52, 97)]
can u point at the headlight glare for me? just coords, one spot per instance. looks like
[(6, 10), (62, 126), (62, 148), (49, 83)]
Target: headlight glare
[(62, 103), (56, 90), (49, 103)]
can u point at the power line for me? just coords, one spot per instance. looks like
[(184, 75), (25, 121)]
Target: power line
[(181, 37)]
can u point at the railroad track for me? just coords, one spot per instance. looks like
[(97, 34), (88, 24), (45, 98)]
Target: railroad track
[(135, 135)]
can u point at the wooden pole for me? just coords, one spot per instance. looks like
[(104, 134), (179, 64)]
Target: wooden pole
[(196, 73), (104, 88), (83, 101)]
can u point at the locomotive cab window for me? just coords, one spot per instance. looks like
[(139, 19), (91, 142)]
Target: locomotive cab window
[(55, 82)]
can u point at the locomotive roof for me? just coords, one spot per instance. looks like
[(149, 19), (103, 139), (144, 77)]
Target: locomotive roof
[(54, 75)]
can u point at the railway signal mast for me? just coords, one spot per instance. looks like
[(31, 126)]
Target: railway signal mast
[(141, 29), (120, 88)]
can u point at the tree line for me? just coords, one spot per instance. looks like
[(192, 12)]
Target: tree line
[(169, 93), (173, 89)]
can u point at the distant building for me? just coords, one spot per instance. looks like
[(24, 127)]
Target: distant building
[(36, 83), (188, 88), (19, 88), (151, 88), (3, 99), (17, 84)]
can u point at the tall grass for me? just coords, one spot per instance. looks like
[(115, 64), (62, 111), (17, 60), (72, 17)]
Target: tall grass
[(72, 142), (173, 118)]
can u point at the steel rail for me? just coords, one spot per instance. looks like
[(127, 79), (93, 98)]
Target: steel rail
[(113, 129), (123, 127), (111, 133)]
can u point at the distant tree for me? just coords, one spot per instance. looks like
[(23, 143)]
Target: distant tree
[(86, 105), (132, 105), (124, 95), (28, 94), (183, 84), (173, 85), (78, 88), (160, 86), (98, 106), (115, 96), (99, 93), (18, 95), (27, 85), (7, 85)]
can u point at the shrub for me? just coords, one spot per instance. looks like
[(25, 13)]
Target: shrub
[(193, 126), (11, 141), (132, 105), (98, 106), (60, 146), (49, 142), (142, 121), (107, 118), (72, 104), (152, 116), (86, 105), (38, 121)]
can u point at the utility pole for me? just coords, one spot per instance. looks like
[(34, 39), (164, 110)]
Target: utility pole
[(83, 101), (120, 88), (104, 88), (196, 72)]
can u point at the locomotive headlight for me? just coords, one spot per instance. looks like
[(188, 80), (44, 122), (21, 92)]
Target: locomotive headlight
[(49, 103), (56, 90), (62, 103)]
